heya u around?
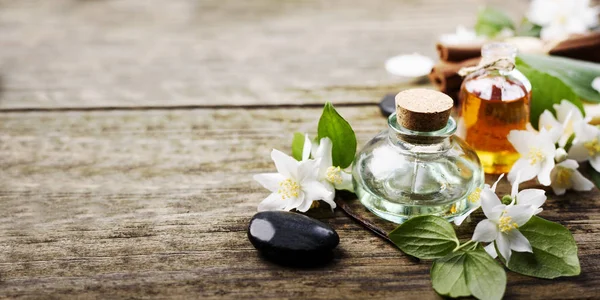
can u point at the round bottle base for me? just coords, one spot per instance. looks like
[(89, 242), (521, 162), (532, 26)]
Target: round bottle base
[(399, 213)]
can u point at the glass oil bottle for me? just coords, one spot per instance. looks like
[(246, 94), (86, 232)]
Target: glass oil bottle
[(417, 166), (494, 100)]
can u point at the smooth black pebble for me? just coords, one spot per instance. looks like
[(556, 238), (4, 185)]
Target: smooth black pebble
[(292, 238), (388, 105)]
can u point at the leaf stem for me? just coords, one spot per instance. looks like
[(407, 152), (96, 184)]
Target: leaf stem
[(466, 244)]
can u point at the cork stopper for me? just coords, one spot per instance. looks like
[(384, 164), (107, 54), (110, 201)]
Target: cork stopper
[(423, 109)]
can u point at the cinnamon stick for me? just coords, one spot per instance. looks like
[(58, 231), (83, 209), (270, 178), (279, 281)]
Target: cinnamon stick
[(457, 53), (584, 47), (444, 75)]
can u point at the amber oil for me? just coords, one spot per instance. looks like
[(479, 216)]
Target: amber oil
[(494, 102)]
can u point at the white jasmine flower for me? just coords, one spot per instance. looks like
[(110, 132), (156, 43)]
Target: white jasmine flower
[(475, 201), (561, 18), (501, 225), (332, 177), (565, 176), (567, 115), (294, 186), (596, 84), (462, 36), (503, 221), (537, 154), (586, 145)]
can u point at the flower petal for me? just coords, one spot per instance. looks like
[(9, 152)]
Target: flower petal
[(306, 148), (486, 231), (544, 174), (515, 186), (595, 162), (578, 152), (296, 202), (460, 219), (272, 202), (527, 170), (547, 120), (503, 246), (315, 190), (520, 139), (581, 183), (270, 181), (533, 197), (518, 241), (564, 108), (285, 164), (324, 151), (558, 191), (346, 182), (307, 170), (496, 183), (489, 200), (520, 214), (491, 250)]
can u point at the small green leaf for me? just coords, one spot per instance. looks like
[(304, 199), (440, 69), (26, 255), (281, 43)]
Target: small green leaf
[(343, 139), (425, 237), (595, 177), (491, 21), (448, 275), (526, 28), (554, 251), (486, 278), (464, 273), (546, 90), (297, 145), (575, 73)]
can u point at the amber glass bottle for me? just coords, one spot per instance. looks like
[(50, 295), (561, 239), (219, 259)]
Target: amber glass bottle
[(493, 101)]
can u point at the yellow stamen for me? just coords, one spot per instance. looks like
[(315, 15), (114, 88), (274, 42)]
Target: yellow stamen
[(535, 155), (475, 195), (453, 208), (563, 177), (288, 189), (315, 204), (506, 223), (334, 175), (593, 147)]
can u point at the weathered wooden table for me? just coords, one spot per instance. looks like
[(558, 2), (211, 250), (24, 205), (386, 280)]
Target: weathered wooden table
[(130, 131)]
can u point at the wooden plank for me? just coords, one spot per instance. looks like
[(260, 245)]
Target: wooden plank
[(82, 54), (155, 204)]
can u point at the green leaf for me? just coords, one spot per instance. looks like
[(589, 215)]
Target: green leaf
[(343, 139), (595, 177), (486, 278), (526, 28), (546, 90), (575, 73), (425, 237), (491, 21), (448, 275), (465, 273), (297, 145), (554, 251)]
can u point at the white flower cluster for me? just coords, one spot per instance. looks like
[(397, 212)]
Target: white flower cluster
[(297, 184), (543, 154), (561, 18)]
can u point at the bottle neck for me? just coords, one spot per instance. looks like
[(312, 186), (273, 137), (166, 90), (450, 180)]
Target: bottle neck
[(419, 141)]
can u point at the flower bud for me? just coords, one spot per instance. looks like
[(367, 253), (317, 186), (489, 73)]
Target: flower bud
[(560, 156)]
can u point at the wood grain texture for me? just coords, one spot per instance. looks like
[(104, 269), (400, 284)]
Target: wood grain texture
[(115, 53), (155, 204)]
